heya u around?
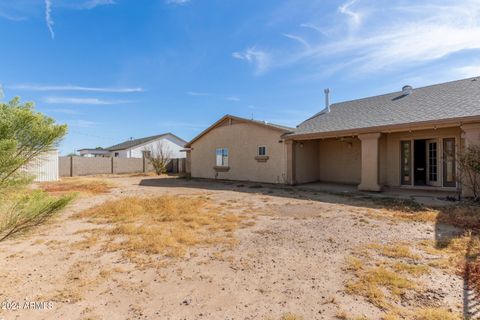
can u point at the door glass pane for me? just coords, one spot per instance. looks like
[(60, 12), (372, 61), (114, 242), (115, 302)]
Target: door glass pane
[(432, 162), (449, 179), (406, 156)]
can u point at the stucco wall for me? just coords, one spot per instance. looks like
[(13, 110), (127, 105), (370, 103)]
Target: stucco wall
[(306, 161), (86, 166), (83, 166), (391, 153), (340, 161), (242, 140)]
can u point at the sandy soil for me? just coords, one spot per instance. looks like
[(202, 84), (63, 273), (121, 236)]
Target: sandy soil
[(291, 260)]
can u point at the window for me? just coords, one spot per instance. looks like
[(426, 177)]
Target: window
[(406, 166), (222, 157), (432, 162), (117, 154), (262, 150), (449, 179)]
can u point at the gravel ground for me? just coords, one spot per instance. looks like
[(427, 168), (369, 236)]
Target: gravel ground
[(291, 260)]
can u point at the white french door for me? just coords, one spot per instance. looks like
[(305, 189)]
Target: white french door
[(433, 173)]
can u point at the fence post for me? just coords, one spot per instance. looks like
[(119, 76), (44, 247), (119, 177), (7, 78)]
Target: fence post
[(71, 166), (112, 164), (144, 164)]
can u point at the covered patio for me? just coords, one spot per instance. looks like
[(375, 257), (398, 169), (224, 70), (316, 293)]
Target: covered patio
[(421, 159)]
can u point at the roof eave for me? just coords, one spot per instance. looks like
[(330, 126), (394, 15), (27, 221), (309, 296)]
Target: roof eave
[(452, 122)]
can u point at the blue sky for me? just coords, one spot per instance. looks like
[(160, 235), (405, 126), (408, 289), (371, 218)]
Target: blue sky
[(115, 69)]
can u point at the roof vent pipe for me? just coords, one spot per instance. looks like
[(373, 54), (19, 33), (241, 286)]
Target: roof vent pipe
[(327, 99), (406, 90)]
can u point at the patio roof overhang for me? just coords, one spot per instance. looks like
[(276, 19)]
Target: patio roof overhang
[(415, 126)]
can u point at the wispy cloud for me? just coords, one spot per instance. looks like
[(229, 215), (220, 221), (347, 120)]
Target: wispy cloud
[(95, 3), (12, 17), (313, 27), (198, 94), (64, 111), (39, 87), (298, 39), (79, 123), (86, 101), (177, 2), (213, 95), (361, 38), (232, 98), (355, 17), (85, 5), (260, 59), (48, 17), (468, 71)]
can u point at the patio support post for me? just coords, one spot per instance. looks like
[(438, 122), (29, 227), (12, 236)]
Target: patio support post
[(370, 160), (471, 137), (290, 144), (188, 163)]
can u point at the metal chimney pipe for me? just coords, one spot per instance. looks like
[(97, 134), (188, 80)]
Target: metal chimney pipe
[(327, 99)]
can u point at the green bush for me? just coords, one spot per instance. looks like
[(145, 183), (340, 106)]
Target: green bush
[(24, 135)]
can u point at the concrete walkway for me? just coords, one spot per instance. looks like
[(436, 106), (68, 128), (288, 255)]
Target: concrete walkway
[(431, 198)]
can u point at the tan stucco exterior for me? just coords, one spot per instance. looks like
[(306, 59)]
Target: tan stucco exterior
[(242, 138), (370, 160)]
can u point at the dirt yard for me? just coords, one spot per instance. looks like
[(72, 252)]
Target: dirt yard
[(279, 253)]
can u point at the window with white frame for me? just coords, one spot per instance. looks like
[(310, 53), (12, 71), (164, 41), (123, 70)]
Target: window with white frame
[(222, 157), (262, 150)]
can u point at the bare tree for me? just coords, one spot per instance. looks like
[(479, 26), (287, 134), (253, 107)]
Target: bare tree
[(469, 165), (159, 155)]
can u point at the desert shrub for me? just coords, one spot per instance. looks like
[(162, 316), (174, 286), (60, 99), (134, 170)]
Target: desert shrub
[(159, 155), (469, 165), (24, 135)]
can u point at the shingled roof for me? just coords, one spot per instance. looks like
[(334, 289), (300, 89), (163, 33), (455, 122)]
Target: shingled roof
[(452, 100), (136, 142)]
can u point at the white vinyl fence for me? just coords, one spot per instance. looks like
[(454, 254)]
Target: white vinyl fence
[(44, 167)]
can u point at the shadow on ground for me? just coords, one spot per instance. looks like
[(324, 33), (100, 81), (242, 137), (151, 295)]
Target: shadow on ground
[(339, 194), (446, 227), (450, 226)]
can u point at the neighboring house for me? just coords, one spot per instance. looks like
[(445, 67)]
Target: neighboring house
[(91, 153), (408, 139), (239, 149), (44, 167), (136, 148)]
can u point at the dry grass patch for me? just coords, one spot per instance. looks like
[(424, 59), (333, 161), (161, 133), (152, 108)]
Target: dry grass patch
[(290, 316), (394, 250), (81, 185), (462, 216), (460, 255), (383, 273), (165, 225), (436, 314), (379, 285)]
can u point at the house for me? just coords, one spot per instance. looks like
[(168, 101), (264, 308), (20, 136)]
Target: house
[(93, 153), (234, 148), (407, 139), (136, 148)]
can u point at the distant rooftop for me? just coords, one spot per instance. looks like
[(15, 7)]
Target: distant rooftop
[(136, 142)]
